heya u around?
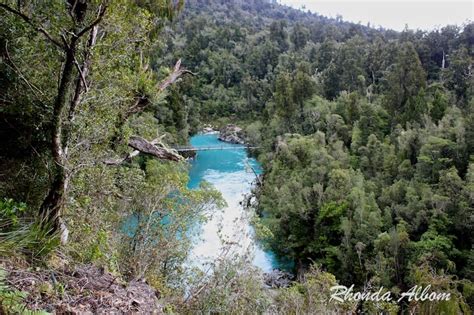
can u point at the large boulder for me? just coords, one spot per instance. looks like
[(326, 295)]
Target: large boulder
[(232, 134)]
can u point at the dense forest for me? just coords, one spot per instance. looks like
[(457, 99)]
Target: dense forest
[(366, 137)]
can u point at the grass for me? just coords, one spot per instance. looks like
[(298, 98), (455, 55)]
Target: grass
[(30, 236)]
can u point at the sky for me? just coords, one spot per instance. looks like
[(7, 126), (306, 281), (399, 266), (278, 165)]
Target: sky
[(418, 14)]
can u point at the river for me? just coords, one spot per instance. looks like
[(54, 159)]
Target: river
[(229, 172)]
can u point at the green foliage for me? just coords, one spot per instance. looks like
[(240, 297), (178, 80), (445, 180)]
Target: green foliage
[(365, 166), (458, 77), (405, 81), (33, 239), (11, 211), (157, 233), (311, 295), (435, 156), (423, 275)]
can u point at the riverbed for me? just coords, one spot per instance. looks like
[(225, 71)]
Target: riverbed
[(229, 172)]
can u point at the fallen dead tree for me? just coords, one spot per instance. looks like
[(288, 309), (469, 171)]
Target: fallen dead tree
[(154, 148), (161, 152)]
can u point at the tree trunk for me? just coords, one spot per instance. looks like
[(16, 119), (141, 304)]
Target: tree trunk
[(51, 207)]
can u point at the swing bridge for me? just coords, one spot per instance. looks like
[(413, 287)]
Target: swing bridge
[(212, 148)]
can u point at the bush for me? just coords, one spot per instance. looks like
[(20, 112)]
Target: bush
[(311, 295), (11, 211), (234, 287)]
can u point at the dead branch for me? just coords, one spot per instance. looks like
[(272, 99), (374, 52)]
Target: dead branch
[(141, 102), (154, 147), (82, 75), (81, 82), (101, 14), (174, 76), (142, 145)]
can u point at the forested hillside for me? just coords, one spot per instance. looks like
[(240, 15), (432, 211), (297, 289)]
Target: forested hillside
[(366, 138)]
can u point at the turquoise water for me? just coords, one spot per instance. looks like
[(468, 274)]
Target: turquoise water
[(229, 172)]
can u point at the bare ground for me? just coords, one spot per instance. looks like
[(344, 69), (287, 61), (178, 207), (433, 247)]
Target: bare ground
[(84, 289)]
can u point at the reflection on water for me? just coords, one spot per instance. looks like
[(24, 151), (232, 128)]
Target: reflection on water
[(228, 172)]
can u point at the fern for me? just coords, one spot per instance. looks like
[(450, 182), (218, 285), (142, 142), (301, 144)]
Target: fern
[(11, 300)]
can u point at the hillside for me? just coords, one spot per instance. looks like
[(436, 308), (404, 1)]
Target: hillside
[(365, 134)]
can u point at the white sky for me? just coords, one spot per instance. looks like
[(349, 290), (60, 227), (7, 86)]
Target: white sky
[(418, 14)]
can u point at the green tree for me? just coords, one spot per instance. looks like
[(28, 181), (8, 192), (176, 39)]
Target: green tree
[(458, 75), (279, 35), (299, 36), (405, 80)]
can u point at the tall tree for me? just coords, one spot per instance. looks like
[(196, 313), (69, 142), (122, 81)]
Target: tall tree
[(299, 36), (73, 34), (279, 34), (404, 82), (459, 76)]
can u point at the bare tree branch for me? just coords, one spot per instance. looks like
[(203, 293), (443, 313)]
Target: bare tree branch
[(81, 84), (142, 101), (154, 147), (81, 75), (71, 10), (142, 145), (174, 76), (101, 14)]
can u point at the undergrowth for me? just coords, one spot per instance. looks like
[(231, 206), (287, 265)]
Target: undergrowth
[(21, 236)]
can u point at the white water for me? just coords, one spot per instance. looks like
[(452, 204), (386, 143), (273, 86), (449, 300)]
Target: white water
[(228, 231)]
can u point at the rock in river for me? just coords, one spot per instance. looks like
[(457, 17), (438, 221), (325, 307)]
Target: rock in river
[(232, 134)]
